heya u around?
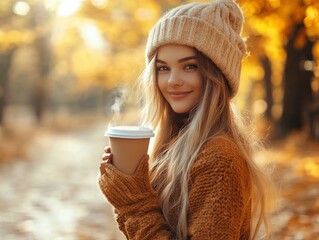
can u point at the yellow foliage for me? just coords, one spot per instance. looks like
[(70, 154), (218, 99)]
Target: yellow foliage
[(86, 63), (147, 15), (268, 26), (124, 25), (309, 166), (251, 8), (12, 38), (311, 20), (130, 38), (274, 3), (124, 67)]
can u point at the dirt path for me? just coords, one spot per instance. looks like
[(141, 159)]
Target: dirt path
[(53, 194)]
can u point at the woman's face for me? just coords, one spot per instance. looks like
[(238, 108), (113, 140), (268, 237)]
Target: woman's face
[(178, 77)]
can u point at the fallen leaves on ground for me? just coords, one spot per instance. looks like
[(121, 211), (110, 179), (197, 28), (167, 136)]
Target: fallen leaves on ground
[(296, 163)]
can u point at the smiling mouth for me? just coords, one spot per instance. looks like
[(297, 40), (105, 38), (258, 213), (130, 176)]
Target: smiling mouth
[(178, 95)]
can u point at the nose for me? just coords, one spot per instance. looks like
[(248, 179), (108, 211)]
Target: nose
[(175, 79)]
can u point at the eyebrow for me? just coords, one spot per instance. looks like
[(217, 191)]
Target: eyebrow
[(180, 60)]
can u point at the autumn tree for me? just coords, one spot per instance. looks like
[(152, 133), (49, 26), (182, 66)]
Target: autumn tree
[(40, 20), (24, 24), (5, 61), (283, 35), (101, 44), (297, 80), (8, 43)]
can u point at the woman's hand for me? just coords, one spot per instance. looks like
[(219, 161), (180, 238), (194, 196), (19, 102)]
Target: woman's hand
[(122, 190), (106, 159)]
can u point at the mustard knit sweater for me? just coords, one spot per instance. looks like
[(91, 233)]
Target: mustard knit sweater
[(219, 197)]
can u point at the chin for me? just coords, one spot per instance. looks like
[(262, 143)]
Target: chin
[(180, 111)]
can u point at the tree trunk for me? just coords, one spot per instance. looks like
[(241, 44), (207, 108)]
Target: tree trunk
[(40, 92), (297, 81), (265, 62), (41, 19), (5, 63)]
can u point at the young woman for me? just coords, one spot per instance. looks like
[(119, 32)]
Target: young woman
[(200, 181)]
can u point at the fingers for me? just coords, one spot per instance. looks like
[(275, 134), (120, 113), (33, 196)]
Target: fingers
[(107, 156), (106, 159), (107, 149)]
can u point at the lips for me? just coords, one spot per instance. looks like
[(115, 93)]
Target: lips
[(178, 94)]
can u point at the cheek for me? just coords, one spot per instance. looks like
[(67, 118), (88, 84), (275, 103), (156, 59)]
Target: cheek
[(199, 84), (161, 84), (200, 88)]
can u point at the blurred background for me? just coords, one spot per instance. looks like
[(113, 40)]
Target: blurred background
[(63, 66)]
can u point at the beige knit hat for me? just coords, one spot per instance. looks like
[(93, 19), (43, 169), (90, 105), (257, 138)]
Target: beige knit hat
[(212, 28)]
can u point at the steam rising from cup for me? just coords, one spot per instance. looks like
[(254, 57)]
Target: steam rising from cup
[(117, 106), (119, 100)]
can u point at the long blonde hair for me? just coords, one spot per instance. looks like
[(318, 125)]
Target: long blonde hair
[(178, 144)]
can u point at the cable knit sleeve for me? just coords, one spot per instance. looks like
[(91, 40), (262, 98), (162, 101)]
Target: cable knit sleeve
[(219, 194), (136, 205)]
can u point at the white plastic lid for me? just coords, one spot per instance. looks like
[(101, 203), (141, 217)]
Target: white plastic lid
[(134, 132)]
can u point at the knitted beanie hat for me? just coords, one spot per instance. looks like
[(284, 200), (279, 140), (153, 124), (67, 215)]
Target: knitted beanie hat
[(212, 28)]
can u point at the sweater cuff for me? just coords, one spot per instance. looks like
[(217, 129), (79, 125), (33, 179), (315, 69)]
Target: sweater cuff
[(123, 191)]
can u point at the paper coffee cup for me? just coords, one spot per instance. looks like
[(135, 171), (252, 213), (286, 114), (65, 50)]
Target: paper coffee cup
[(128, 145)]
